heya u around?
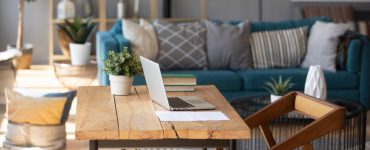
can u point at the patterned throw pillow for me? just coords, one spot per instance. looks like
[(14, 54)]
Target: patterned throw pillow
[(280, 48), (181, 46)]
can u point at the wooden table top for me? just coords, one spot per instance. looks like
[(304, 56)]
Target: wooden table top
[(103, 116)]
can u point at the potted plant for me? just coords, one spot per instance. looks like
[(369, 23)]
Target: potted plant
[(24, 61), (278, 88), (121, 67), (80, 32)]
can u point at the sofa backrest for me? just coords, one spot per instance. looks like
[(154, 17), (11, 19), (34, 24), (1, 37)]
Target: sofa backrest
[(353, 52), (289, 24)]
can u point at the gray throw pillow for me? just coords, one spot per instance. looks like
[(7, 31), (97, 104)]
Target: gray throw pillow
[(228, 46), (181, 46), (279, 48), (322, 45)]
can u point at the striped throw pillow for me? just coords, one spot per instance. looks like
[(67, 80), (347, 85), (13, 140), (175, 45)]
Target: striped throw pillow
[(279, 49)]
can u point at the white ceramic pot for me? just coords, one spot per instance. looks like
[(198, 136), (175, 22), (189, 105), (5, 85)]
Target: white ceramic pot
[(274, 98), (121, 9), (120, 85), (80, 53)]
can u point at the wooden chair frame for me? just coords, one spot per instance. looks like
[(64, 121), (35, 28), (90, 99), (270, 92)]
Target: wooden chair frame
[(327, 118)]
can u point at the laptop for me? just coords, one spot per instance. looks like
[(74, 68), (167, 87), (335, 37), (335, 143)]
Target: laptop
[(154, 82)]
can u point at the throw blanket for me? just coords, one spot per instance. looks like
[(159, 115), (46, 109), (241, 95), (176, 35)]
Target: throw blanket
[(9, 54)]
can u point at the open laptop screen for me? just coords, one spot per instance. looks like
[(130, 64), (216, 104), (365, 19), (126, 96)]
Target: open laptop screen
[(154, 82)]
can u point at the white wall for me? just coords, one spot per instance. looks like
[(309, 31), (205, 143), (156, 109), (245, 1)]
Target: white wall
[(36, 16)]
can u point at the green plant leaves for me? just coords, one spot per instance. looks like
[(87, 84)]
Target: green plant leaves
[(122, 63), (79, 30), (279, 86)]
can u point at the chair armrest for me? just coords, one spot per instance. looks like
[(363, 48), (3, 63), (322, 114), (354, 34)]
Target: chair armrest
[(314, 130), (272, 111), (327, 117)]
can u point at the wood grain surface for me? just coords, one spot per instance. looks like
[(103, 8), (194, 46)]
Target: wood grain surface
[(133, 117)]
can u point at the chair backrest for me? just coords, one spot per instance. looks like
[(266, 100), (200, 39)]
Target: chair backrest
[(327, 118)]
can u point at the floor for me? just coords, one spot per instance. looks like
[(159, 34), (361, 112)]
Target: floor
[(47, 81)]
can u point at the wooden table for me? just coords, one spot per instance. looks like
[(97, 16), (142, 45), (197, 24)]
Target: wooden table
[(130, 121)]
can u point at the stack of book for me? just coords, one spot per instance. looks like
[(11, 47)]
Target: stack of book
[(179, 82)]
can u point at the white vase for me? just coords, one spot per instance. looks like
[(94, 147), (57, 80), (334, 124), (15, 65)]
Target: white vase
[(273, 98), (121, 9), (88, 8), (80, 53), (315, 82), (66, 9), (120, 85)]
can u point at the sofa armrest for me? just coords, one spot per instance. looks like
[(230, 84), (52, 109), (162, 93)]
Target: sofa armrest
[(365, 75), (106, 41), (354, 50)]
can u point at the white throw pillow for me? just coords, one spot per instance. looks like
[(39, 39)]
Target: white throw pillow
[(322, 45), (142, 38)]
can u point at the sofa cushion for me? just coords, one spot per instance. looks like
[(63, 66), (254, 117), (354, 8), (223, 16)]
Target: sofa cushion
[(280, 48), (142, 38), (322, 45), (224, 80), (228, 46), (182, 45), (254, 79)]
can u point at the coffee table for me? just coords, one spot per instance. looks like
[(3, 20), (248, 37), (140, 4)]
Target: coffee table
[(353, 136), (130, 121)]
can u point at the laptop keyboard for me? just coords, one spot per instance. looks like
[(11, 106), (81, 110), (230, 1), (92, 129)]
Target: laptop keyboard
[(176, 102)]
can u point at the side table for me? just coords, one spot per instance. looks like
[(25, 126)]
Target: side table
[(353, 136), (72, 76)]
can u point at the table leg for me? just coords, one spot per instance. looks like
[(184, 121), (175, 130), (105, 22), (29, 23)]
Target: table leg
[(93, 145), (232, 145)]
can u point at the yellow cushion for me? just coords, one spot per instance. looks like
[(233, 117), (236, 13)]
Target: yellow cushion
[(31, 110)]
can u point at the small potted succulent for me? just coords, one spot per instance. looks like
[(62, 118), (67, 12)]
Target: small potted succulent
[(79, 31), (121, 67), (278, 88)]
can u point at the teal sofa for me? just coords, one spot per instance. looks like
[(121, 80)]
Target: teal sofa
[(352, 83)]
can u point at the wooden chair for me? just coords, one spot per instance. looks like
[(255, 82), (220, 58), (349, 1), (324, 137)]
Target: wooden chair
[(327, 117)]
